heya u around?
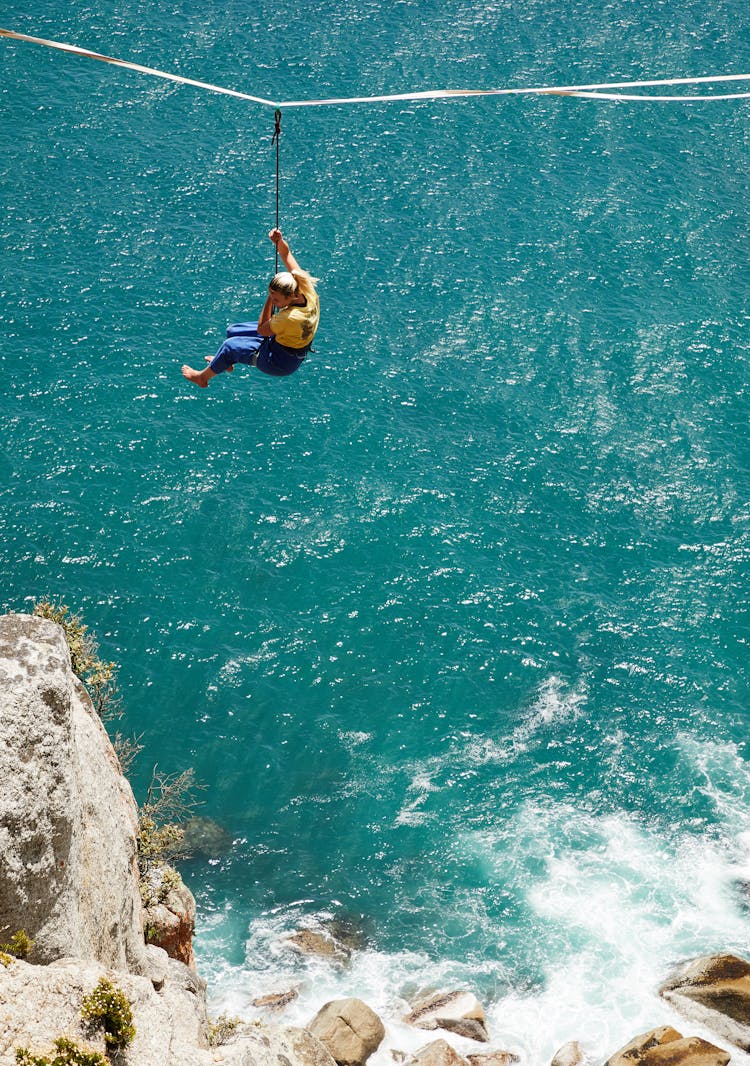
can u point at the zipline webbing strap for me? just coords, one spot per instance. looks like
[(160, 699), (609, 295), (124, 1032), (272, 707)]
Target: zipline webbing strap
[(602, 91), (655, 99), (587, 91), (134, 66)]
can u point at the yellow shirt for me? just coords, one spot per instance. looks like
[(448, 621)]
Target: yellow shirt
[(294, 327)]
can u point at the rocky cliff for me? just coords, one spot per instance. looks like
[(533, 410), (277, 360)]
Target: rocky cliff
[(67, 815), (69, 880)]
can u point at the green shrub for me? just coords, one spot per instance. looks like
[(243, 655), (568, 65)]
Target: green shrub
[(67, 1054), (108, 1008), (19, 946), (169, 802), (97, 675), (222, 1029)]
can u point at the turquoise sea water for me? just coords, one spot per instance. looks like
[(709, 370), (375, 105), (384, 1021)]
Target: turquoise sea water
[(452, 624)]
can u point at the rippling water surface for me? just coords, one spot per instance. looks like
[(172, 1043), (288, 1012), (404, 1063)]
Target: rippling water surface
[(452, 624)]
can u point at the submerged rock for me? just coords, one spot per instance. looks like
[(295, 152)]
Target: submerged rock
[(317, 942), (714, 990), (349, 1029), (205, 839)]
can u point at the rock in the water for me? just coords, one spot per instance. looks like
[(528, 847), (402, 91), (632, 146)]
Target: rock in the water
[(276, 1001), (67, 815), (450, 1010), (666, 1047), (438, 1053), (569, 1054), (469, 1028), (349, 1029), (714, 990), (493, 1058)]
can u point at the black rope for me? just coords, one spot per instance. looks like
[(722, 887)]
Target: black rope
[(276, 139)]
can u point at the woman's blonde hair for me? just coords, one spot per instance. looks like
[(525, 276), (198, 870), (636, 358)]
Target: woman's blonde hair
[(291, 283)]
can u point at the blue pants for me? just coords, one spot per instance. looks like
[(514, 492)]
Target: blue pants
[(245, 345)]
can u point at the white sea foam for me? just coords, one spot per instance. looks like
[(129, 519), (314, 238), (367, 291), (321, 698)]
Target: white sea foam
[(616, 906)]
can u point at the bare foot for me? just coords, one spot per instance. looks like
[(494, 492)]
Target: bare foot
[(198, 377), (210, 359)]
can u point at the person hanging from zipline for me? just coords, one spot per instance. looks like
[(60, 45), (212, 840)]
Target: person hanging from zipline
[(277, 343)]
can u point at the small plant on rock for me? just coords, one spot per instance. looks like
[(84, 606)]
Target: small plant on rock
[(222, 1029), (169, 801), (98, 676), (108, 1008), (66, 1054), (19, 945)]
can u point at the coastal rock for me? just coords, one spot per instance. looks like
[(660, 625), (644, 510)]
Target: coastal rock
[(349, 1029), (569, 1054), (438, 1053), (40, 1003), (450, 1010), (666, 1047), (272, 1046), (169, 922), (714, 990), (158, 966), (634, 1051), (67, 815)]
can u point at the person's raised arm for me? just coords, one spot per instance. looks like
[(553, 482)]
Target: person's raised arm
[(284, 251), (264, 322)]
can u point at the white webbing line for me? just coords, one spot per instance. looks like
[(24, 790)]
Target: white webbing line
[(134, 66), (602, 91)]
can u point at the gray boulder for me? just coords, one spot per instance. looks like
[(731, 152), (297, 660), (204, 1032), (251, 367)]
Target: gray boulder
[(349, 1029), (67, 815), (714, 990)]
